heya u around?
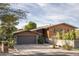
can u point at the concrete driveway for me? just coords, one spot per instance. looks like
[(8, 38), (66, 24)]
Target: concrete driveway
[(40, 50)]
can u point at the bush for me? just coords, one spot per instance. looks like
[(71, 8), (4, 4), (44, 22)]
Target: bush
[(0, 42), (40, 40), (67, 47), (11, 43), (59, 35)]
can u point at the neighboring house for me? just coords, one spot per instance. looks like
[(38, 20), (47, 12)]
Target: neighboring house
[(47, 32)]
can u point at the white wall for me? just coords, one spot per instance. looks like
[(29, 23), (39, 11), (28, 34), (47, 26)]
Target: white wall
[(73, 43)]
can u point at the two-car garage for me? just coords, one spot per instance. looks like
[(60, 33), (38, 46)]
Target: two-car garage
[(26, 37), (26, 40)]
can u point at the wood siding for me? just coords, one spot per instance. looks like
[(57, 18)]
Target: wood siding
[(26, 33), (53, 29)]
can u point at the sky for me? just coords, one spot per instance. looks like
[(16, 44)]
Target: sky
[(44, 14)]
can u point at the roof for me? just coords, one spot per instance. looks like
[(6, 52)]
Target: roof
[(43, 27), (20, 31), (47, 26), (65, 24)]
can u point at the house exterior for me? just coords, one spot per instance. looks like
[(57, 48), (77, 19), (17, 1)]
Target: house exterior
[(30, 37), (52, 30)]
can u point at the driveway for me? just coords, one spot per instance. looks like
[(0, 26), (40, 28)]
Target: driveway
[(40, 50)]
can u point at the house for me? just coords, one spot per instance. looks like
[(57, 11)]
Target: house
[(50, 31), (30, 37)]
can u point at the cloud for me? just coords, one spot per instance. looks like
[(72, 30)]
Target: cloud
[(57, 17), (51, 13), (42, 4)]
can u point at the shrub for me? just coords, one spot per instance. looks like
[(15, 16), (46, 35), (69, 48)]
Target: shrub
[(59, 35), (73, 35), (54, 46), (0, 42), (11, 43), (40, 40), (67, 47)]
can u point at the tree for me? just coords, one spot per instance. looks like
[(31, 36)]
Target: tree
[(30, 25), (8, 25), (5, 8), (9, 18)]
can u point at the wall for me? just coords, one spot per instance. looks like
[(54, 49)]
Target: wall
[(62, 42), (51, 31), (76, 43), (73, 43), (26, 33)]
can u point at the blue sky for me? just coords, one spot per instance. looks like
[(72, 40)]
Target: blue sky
[(49, 13)]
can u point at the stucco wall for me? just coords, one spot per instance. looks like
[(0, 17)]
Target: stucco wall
[(63, 42), (73, 43)]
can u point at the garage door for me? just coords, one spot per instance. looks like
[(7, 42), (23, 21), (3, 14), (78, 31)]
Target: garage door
[(26, 40)]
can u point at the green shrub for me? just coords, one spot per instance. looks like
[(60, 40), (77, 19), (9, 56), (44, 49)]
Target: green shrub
[(59, 35), (11, 43), (6, 43), (40, 40), (70, 35), (0, 42), (67, 47)]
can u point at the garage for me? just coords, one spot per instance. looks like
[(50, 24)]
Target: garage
[(26, 40), (26, 37)]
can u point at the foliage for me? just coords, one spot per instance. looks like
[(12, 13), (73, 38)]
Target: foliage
[(11, 43), (67, 47), (70, 35), (59, 35), (30, 25), (77, 32), (9, 18), (5, 8), (73, 34), (8, 23), (0, 42), (40, 40), (67, 36)]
